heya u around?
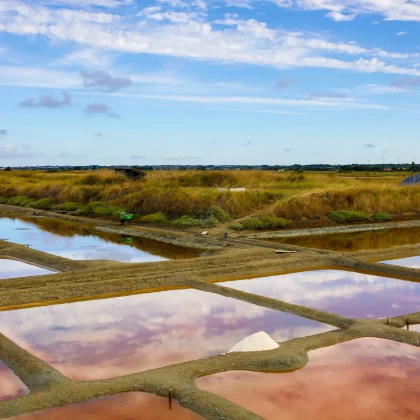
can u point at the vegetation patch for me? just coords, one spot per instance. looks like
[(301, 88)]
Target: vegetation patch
[(158, 218), (382, 217), (348, 216), (260, 223), (43, 203), (99, 208), (187, 221), (71, 206)]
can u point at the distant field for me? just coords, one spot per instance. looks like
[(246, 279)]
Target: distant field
[(192, 198)]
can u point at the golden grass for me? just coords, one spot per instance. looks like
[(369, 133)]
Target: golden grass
[(287, 194)]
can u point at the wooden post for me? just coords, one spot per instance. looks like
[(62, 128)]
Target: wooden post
[(387, 321), (170, 399), (408, 324)]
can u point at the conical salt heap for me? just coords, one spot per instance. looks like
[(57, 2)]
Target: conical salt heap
[(256, 342)]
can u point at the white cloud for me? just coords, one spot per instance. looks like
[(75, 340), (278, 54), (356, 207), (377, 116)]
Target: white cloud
[(185, 33), (404, 10), (252, 100), (401, 33), (85, 57), (340, 17), (178, 157)]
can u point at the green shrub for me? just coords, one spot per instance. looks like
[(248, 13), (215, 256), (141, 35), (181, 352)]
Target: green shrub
[(219, 214), (187, 221), (159, 218), (237, 226), (69, 206), (382, 217), (43, 203), (263, 222), (19, 200), (214, 211), (98, 208), (348, 216)]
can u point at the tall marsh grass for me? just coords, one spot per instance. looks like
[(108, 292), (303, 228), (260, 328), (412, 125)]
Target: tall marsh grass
[(173, 194)]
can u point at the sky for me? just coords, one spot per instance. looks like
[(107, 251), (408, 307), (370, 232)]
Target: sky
[(142, 82)]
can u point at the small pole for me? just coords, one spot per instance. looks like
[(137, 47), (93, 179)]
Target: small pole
[(408, 324), (170, 399), (226, 235), (387, 321)]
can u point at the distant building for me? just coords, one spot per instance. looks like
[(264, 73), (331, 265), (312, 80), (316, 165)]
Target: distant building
[(412, 180)]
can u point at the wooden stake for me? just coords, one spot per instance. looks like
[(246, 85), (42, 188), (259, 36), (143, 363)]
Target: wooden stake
[(387, 321), (408, 325), (170, 399)]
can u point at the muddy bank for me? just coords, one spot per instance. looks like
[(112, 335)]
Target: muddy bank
[(333, 229)]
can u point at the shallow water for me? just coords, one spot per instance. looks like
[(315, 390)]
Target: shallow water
[(10, 385), (357, 241), (113, 337), (10, 269), (345, 293), (365, 379), (411, 262), (78, 241), (127, 406)]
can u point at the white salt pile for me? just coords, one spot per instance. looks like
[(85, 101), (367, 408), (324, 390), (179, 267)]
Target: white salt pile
[(255, 342)]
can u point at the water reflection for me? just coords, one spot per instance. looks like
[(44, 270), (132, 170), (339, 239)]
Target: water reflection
[(10, 385), (366, 379), (108, 338), (81, 242), (10, 269), (411, 262), (357, 241), (346, 293), (127, 406)]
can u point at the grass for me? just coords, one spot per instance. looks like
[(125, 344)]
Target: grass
[(260, 223), (348, 216), (193, 198)]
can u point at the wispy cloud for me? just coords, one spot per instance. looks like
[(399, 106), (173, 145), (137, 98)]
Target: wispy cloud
[(328, 95), (138, 156), (255, 100), (248, 143), (3, 132), (11, 151), (178, 156), (284, 83), (370, 146), (406, 83), (100, 109), (288, 150), (47, 101), (104, 81)]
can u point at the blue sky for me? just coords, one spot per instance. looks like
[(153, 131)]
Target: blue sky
[(209, 81)]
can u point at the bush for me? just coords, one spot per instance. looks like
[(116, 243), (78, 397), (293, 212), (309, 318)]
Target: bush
[(382, 217), (261, 223), (187, 221), (69, 206), (43, 203), (215, 212), (98, 208), (348, 216), (159, 218), (19, 200), (237, 226)]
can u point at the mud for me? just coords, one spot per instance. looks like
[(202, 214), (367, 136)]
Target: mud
[(229, 260)]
